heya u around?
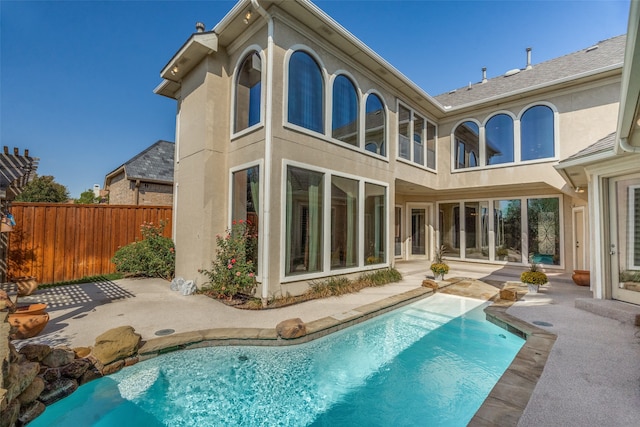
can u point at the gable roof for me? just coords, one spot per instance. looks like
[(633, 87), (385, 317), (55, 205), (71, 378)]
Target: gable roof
[(153, 164), (604, 56)]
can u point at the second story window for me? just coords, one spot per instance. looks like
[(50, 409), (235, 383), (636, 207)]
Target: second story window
[(467, 140), (375, 126), (499, 139), (306, 92), (248, 92), (536, 133), (345, 111), (416, 138)]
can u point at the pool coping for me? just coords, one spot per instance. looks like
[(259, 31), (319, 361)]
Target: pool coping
[(503, 406)]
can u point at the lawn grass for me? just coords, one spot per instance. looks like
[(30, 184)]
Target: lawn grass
[(86, 279)]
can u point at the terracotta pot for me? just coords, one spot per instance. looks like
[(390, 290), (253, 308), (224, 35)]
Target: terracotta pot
[(38, 308), (27, 325), (581, 277)]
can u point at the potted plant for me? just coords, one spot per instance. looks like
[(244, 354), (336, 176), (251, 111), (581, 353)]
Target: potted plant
[(439, 267), (533, 278)]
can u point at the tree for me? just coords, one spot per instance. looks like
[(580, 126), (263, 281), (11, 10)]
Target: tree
[(87, 197), (44, 189)]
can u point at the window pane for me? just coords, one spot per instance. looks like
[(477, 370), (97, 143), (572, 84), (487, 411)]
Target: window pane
[(449, 226), (304, 221), (536, 127), (345, 111), (467, 138), (431, 145), (374, 224), (507, 230), (306, 92), (544, 230), (245, 203), (418, 140), (398, 232), (499, 139), (375, 134), (404, 134), (627, 200), (476, 230), (344, 222), (248, 92)]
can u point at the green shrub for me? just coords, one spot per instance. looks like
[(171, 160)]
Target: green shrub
[(233, 270), (153, 256), (340, 285)]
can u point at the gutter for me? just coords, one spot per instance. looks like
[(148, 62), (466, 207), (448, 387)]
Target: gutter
[(626, 147), (268, 149)]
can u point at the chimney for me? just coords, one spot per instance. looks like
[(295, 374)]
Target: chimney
[(528, 59), (199, 27), (484, 74)]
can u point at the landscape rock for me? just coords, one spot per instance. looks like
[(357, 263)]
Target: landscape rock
[(75, 369), (291, 328), (59, 357), (113, 367), (32, 392), (57, 390), (9, 416), (31, 412), (49, 374), (35, 352), (19, 378), (176, 284), (509, 294), (188, 288), (117, 343), (82, 352)]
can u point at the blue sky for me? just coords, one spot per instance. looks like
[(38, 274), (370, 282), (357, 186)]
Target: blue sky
[(77, 77)]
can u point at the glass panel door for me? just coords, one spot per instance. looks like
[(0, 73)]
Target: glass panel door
[(625, 238), (398, 232), (418, 232)]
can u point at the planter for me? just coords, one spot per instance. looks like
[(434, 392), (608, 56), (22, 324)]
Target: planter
[(27, 325), (38, 308), (533, 289), (26, 285), (581, 277)]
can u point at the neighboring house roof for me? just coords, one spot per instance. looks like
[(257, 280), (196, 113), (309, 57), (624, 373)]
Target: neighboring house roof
[(605, 55), (155, 164)]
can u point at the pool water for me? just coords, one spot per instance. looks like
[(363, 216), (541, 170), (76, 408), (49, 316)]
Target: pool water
[(431, 363)]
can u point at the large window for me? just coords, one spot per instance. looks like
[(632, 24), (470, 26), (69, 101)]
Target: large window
[(304, 221), (375, 126), (634, 227), (306, 92), (344, 222), (499, 139), (476, 230), (507, 229), (416, 138), (245, 205), (449, 226), (543, 216), (248, 92), (345, 111), (467, 140), (536, 133), (375, 223)]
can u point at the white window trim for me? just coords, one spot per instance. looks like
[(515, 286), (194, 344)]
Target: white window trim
[(556, 133), (329, 108), (483, 160), (631, 220), (260, 51), (363, 118), (454, 148), (410, 161), (261, 225), (326, 260)]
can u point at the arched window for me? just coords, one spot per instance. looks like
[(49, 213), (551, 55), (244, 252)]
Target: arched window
[(467, 140), (537, 134), (345, 111), (248, 92), (306, 92), (374, 123), (473, 160), (499, 139)]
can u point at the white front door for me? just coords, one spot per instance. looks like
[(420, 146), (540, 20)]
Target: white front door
[(580, 243), (624, 194), (419, 228)]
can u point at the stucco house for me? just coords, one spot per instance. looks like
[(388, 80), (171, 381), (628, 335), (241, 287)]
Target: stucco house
[(145, 179), (348, 166)]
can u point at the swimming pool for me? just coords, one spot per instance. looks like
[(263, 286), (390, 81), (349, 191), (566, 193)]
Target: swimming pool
[(430, 363)]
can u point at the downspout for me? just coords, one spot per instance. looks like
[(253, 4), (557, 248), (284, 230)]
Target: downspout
[(268, 136), (628, 148)]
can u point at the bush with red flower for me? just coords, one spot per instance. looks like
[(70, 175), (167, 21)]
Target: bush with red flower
[(233, 270)]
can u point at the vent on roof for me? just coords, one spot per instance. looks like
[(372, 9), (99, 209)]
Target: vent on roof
[(512, 72), (453, 91), (590, 48)]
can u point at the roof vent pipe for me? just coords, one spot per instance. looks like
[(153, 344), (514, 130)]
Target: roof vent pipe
[(484, 74), (199, 27), (528, 59)]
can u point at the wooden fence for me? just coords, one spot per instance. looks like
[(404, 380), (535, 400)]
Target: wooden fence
[(56, 242)]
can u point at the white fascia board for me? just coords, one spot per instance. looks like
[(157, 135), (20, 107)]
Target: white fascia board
[(630, 98), (197, 47)]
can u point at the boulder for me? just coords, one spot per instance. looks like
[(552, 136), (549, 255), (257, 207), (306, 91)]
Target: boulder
[(32, 392), (112, 367), (115, 344), (35, 352), (75, 369), (9, 416), (19, 378), (291, 328), (509, 294), (429, 283), (59, 357), (57, 390), (49, 374), (82, 352), (31, 412)]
